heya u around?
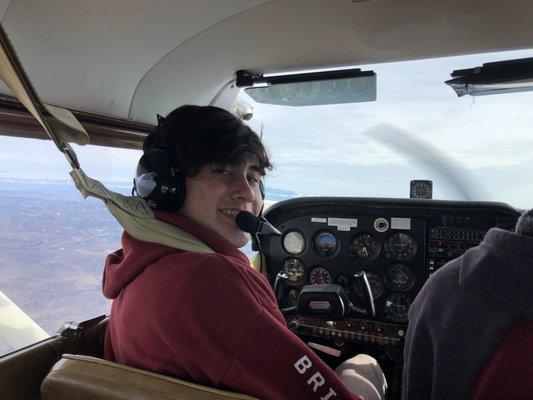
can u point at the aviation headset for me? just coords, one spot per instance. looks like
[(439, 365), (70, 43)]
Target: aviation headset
[(158, 178)]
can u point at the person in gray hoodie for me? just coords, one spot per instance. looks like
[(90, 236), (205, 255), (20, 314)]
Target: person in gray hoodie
[(463, 312)]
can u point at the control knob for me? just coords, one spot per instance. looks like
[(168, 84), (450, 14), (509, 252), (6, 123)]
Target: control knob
[(293, 325)]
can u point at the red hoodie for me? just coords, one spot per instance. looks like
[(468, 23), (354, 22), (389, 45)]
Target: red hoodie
[(209, 319)]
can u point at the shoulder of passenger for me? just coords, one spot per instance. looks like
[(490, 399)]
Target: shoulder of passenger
[(440, 286)]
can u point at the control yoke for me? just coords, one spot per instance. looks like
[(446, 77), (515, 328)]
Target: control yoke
[(327, 301), (361, 278)]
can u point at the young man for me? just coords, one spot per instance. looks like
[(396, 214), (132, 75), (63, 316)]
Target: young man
[(211, 318)]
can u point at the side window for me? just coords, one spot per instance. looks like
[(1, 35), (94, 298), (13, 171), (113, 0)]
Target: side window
[(53, 242)]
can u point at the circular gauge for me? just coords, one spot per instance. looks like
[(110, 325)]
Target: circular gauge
[(325, 243), (400, 246), (376, 285), (381, 224), (294, 268), (400, 277), (365, 246), (397, 306), (421, 189), (319, 276), (293, 242)]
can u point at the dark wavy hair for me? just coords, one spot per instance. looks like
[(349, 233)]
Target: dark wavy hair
[(207, 135)]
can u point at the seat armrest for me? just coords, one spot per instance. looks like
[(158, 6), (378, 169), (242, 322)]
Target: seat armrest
[(83, 377)]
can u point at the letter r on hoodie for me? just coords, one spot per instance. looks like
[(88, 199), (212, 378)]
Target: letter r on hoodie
[(317, 379)]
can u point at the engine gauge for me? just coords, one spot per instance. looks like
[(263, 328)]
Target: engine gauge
[(376, 285), (397, 307), (400, 277), (320, 276), (293, 242), (400, 246), (365, 246), (325, 243), (294, 268)]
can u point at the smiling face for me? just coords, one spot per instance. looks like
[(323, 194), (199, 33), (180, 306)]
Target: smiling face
[(218, 193)]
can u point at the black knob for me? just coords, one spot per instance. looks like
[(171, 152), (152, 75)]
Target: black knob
[(343, 281), (294, 325)]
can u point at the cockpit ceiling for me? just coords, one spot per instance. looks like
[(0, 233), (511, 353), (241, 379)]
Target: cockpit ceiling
[(135, 58)]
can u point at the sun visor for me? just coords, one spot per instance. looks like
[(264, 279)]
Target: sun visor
[(310, 88), (66, 125), (63, 123), (494, 78)]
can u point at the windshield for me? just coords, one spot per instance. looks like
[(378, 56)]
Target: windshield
[(472, 148)]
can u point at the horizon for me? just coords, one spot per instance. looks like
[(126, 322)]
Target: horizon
[(482, 144)]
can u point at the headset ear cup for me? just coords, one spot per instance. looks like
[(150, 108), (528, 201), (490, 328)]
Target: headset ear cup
[(158, 181)]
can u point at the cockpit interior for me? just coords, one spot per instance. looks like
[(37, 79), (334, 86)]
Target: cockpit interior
[(399, 244), (79, 73)]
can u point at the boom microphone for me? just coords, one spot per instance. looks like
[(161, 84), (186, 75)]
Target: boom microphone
[(248, 222)]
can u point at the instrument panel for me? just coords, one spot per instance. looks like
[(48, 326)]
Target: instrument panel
[(322, 249), (398, 243)]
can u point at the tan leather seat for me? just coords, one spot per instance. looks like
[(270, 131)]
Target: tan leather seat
[(77, 377)]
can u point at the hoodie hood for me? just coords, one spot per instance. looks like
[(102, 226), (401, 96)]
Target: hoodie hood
[(124, 265)]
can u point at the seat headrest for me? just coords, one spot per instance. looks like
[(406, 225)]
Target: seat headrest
[(83, 377)]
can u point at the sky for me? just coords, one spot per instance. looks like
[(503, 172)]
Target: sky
[(417, 129)]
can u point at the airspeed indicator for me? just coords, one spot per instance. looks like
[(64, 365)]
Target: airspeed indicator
[(293, 242)]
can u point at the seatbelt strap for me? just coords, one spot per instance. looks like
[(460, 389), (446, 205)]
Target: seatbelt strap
[(137, 218)]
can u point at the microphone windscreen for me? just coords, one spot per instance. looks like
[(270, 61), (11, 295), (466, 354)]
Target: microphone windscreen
[(247, 222)]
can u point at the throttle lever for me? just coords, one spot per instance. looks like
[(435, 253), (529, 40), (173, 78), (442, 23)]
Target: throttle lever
[(362, 280)]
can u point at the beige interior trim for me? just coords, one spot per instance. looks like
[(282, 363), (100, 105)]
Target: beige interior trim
[(84, 377), (16, 121), (61, 127)]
